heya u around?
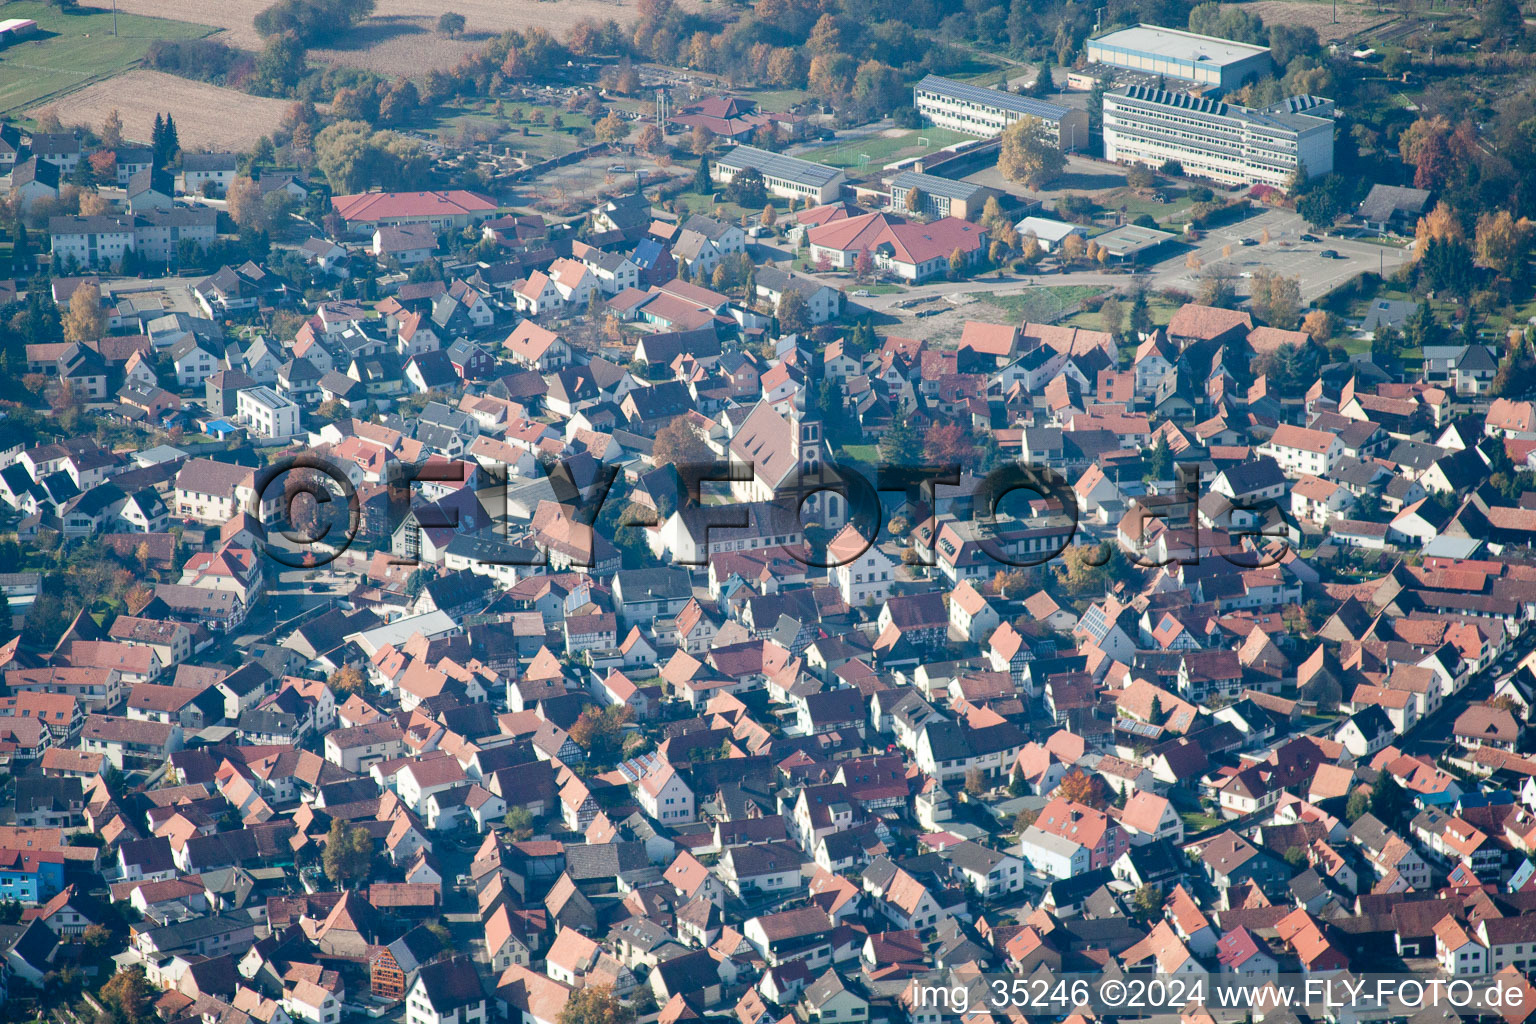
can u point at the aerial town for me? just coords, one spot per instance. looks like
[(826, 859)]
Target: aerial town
[(689, 512)]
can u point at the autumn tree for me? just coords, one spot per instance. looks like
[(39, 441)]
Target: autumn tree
[(650, 140), (948, 444), (914, 202), (93, 204), (596, 730), (348, 857), (677, 444), (1081, 569), (793, 312), (84, 320), (596, 1004), (103, 166), (975, 781), (128, 994), (347, 681), (1024, 819), (1029, 251), (863, 264), (957, 262), (1028, 154), (1078, 786), (1426, 144), (1440, 224), (611, 129), (1318, 325), (245, 205), (1275, 299), (700, 140), (1112, 316), (112, 129), (1503, 243)]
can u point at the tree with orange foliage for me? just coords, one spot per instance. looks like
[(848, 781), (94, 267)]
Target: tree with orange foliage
[(1079, 787)]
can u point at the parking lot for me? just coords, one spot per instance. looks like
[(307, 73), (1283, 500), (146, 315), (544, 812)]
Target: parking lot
[(1285, 254)]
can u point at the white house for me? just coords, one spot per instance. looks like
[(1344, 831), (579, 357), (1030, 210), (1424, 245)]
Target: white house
[(862, 573), (446, 992), (665, 796)]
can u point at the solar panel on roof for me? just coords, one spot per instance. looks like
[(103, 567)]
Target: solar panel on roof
[(934, 185), (992, 97), (779, 166)]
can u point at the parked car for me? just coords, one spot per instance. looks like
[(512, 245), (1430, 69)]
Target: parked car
[(862, 293), (1309, 238), (1329, 254)]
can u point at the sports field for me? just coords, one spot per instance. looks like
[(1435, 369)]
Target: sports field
[(73, 49), (883, 148)]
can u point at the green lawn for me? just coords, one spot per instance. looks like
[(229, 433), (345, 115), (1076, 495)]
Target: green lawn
[(860, 455), (1133, 204), (72, 50), (1041, 305), (706, 205), (541, 141), (882, 149)]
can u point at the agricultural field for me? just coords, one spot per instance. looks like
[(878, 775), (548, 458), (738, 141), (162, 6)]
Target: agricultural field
[(399, 39), (73, 50), (201, 110), (1353, 20), (883, 148)]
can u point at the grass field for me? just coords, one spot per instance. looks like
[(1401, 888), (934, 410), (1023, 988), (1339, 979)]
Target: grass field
[(541, 141), (887, 147), (1041, 305), (72, 50)]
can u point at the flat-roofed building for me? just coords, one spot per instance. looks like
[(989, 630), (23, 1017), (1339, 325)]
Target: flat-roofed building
[(266, 413), (940, 197), (1219, 141), (784, 176), (984, 112), (1187, 56), (1130, 242)]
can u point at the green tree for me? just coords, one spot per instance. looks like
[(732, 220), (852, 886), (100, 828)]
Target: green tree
[(902, 444), (520, 821), (348, 857), (1148, 901), (1387, 799), (1141, 314), (450, 24), (1160, 459), (1359, 803)]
